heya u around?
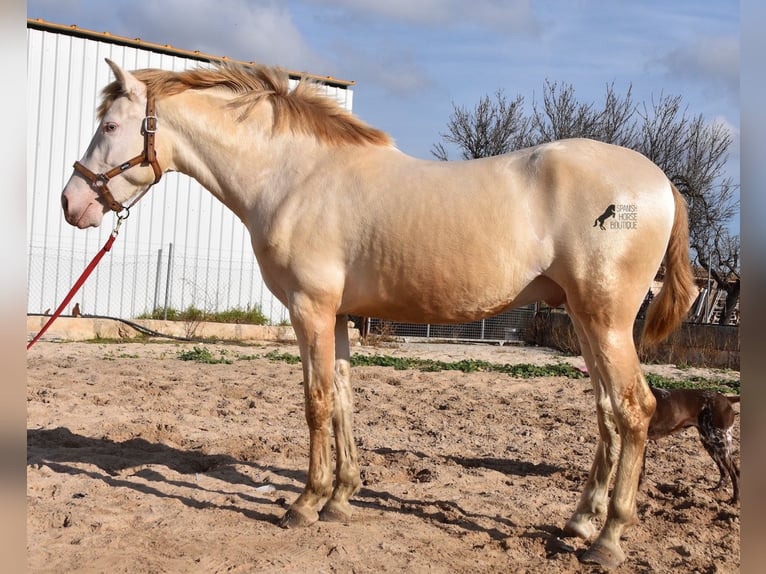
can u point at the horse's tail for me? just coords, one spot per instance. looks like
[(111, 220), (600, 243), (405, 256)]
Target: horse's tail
[(671, 305)]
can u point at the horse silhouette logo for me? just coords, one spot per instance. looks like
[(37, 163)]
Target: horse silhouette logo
[(609, 212)]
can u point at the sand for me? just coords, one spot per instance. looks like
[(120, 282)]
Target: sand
[(140, 462)]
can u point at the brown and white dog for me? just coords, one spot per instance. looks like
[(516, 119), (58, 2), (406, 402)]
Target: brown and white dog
[(711, 412)]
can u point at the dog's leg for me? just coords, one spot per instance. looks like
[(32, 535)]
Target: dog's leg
[(730, 465), (718, 444), (712, 447)]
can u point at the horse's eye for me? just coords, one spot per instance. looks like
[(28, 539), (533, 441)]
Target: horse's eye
[(110, 127)]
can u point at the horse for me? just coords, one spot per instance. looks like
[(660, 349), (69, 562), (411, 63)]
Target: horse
[(344, 223)]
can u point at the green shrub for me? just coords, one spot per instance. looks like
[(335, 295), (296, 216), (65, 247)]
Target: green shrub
[(248, 316)]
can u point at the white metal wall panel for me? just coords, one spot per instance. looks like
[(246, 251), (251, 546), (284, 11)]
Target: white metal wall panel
[(212, 267)]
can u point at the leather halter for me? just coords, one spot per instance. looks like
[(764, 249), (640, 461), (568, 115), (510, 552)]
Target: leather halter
[(147, 157)]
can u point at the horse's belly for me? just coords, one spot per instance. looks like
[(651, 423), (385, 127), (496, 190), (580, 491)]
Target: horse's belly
[(455, 299), (413, 310)]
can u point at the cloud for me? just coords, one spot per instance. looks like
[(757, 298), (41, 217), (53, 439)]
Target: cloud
[(397, 72), (736, 138), (711, 61), (391, 44), (371, 41), (250, 30), (504, 15)]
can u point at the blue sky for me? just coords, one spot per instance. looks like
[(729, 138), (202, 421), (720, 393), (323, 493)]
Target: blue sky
[(413, 59)]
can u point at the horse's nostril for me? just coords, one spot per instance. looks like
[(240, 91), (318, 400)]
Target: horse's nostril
[(64, 202)]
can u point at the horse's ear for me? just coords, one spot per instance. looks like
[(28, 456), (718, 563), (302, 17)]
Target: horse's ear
[(132, 85)]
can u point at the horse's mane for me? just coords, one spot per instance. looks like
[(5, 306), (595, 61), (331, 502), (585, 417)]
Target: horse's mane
[(304, 109)]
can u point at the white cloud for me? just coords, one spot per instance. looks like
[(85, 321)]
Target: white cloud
[(397, 72), (708, 61), (507, 15), (734, 149), (250, 30)]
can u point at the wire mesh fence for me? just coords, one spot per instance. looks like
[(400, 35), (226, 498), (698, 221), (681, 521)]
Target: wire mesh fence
[(131, 285), (508, 327)]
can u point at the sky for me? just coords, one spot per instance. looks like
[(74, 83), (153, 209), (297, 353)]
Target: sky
[(413, 61)]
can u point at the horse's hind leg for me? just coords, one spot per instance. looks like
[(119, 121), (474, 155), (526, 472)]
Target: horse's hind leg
[(621, 383), (594, 498), (347, 479)]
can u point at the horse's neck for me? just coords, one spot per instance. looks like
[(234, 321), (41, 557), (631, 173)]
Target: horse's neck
[(236, 161)]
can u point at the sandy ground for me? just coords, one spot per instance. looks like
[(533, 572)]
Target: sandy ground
[(140, 462)]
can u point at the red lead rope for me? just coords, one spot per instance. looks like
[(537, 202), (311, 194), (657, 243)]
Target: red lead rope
[(88, 270)]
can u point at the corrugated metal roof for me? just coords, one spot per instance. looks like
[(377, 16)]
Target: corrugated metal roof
[(73, 30)]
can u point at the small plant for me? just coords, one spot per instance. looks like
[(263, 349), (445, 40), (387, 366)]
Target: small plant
[(161, 313), (203, 355), (192, 318), (382, 333), (283, 357)]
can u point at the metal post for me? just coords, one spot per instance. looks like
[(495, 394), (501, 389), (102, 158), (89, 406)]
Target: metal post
[(169, 280), (157, 281), (707, 297)]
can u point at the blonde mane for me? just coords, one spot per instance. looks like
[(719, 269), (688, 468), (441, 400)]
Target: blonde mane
[(303, 110)]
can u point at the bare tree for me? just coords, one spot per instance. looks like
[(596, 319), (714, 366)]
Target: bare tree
[(662, 133), (562, 116), (616, 121), (692, 152), (493, 127)]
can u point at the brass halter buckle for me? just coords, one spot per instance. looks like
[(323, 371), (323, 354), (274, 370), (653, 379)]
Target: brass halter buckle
[(148, 156)]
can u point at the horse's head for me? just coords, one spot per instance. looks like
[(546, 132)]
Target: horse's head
[(120, 161)]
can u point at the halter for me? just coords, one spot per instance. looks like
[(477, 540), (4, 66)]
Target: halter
[(98, 182)]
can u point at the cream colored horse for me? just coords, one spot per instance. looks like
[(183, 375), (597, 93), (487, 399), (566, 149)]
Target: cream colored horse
[(344, 223)]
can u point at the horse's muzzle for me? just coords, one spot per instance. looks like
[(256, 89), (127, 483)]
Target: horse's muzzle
[(86, 213)]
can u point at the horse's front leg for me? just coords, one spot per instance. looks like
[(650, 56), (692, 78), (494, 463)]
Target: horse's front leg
[(347, 479), (314, 330)]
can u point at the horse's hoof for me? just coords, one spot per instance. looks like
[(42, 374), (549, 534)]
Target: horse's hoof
[(335, 511), (580, 528), (607, 558), (298, 518)]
